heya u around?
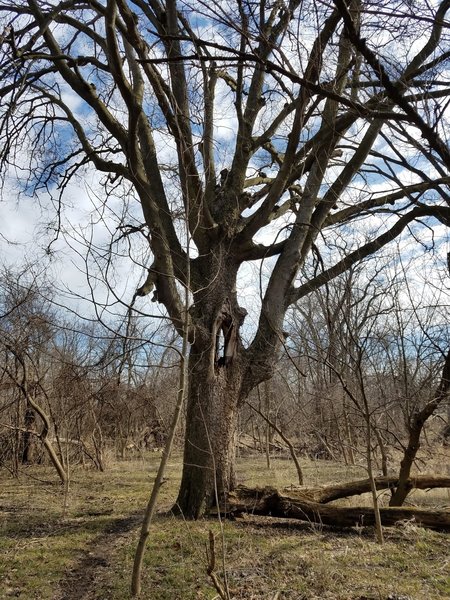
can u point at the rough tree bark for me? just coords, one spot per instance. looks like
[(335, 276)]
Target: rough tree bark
[(216, 367), (209, 451)]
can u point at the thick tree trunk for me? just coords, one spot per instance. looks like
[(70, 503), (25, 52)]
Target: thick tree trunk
[(221, 375), (210, 442), (216, 364)]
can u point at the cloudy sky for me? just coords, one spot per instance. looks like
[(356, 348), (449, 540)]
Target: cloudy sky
[(28, 225)]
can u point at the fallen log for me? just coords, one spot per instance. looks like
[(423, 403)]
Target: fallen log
[(270, 502), (325, 494)]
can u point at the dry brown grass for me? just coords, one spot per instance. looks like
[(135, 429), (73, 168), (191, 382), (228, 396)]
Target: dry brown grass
[(84, 550)]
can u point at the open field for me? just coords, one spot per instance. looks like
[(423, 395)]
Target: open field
[(80, 545)]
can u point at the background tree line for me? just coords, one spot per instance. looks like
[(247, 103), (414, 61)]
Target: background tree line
[(362, 338)]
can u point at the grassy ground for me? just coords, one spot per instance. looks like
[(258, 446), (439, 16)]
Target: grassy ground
[(81, 546)]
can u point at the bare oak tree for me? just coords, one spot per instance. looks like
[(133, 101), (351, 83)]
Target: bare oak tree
[(269, 126)]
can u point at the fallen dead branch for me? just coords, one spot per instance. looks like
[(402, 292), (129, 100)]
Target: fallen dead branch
[(270, 502), (325, 494)]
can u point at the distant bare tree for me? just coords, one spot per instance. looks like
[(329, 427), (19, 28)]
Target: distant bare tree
[(26, 328)]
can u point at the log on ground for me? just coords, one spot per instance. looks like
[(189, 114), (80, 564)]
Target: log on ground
[(270, 502), (325, 494)]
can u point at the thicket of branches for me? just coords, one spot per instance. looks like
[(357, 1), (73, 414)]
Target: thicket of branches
[(89, 393), (360, 337)]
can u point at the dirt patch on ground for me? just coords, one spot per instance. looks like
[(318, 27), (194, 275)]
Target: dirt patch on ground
[(83, 581)]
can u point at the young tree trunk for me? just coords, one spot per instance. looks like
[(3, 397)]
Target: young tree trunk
[(151, 505), (415, 430), (285, 439), (29, 437)]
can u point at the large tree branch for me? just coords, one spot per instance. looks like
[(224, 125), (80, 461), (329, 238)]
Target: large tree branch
[(164, 241), (346, 214), (392, 89), (271, 31), (330, 493), (84, 89), (441, 213), (269, 333), (279, 184)]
